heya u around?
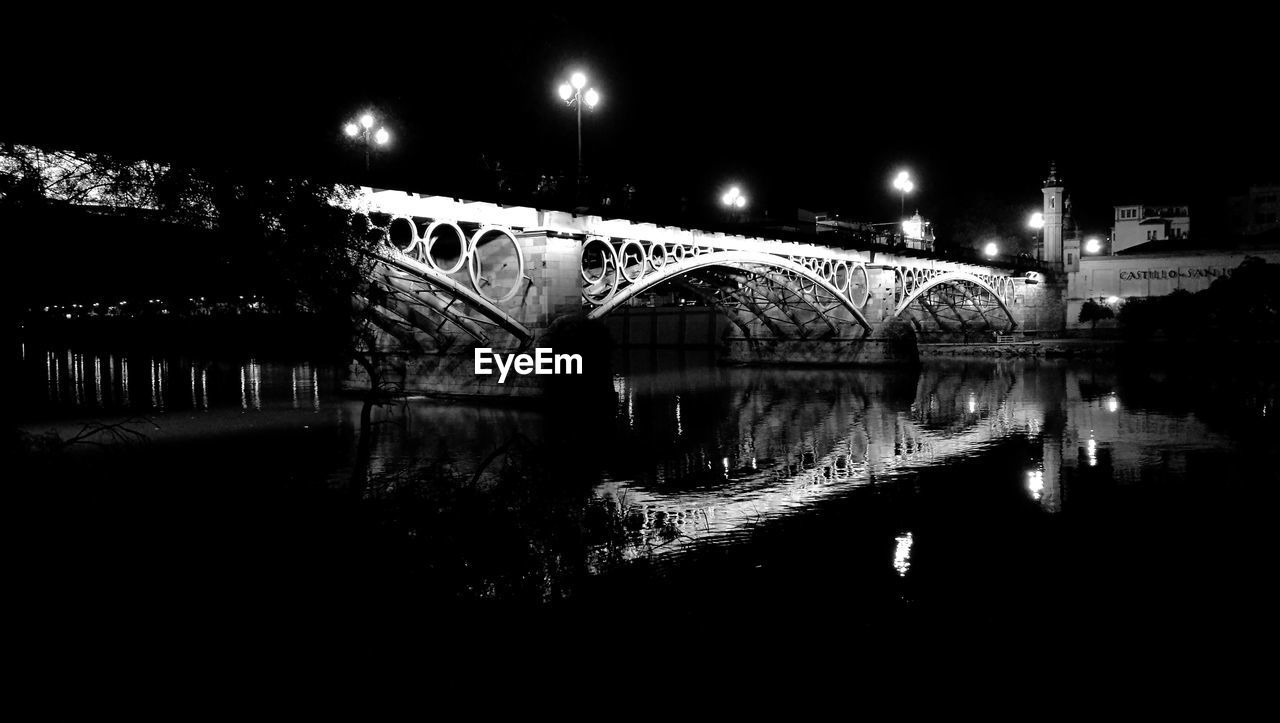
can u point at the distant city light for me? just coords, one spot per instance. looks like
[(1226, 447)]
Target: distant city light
[(1036, 221), (913, 228), (1113, 300), (991, 249), (1113, 404)]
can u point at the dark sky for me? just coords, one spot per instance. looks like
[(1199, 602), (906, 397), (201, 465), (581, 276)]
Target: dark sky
[(817, 109)]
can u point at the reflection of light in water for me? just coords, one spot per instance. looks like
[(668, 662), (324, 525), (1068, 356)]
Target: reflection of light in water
[(1035, 483), (97, 379), (304, 379), (1113, 404), (124, 380), (250, 385), (159, 367), (902, 554), (679, 426), (1091, 449), (51, 374), (973, 403), (725, 463)]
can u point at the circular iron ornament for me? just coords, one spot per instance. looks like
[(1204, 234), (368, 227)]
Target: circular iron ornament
[(899, 284), (582, 258), (473, 262), (609, 255), (623, 256), (840, 276), (679, 253), (828, 271), (653, 261), (866, 286), (409, 248), (463, 249)]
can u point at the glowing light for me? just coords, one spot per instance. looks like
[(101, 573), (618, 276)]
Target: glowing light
[(991, 249), (578, 80), (903, 182), (592, 97), (1036, 221), (1113, 300), (351, 129), (382, 136), (902, 554), (1092, 246), (566, 92), (1035, 483), (913, 228), (1113, 404), (366, 120), (1091, 449), (973, 404), (733, 197)]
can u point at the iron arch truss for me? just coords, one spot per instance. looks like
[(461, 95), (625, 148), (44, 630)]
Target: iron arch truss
[(790, 296), (960, 299)]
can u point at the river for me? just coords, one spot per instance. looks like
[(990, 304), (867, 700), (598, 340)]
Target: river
[(1013, 496)]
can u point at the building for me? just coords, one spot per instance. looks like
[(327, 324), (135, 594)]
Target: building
[(1137, 224), (1255, 212)]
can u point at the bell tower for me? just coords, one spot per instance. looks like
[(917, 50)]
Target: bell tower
[(1053, 209)]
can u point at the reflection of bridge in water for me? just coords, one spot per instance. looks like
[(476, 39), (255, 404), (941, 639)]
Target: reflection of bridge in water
[(776, 449)]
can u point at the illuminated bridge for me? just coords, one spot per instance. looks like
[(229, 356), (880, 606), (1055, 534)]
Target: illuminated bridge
[(458, 275)]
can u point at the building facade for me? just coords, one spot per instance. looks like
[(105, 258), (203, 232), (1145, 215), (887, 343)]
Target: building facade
[(1137, 224)]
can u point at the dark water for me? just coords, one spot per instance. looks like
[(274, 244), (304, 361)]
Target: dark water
[(1015, 497)]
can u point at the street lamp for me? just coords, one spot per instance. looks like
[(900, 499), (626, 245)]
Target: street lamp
[(362, 130), (572, 94), (904, 185), (991, 249), (1036, 221), (733, 199), (1092, 245)]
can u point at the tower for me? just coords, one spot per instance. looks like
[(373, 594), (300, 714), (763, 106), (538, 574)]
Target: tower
[(1053, 202)]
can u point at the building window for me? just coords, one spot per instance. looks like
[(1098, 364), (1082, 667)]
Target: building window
[(1051, 200), (1068, 259)]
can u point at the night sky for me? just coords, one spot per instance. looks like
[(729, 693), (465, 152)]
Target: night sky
[(816, 110)]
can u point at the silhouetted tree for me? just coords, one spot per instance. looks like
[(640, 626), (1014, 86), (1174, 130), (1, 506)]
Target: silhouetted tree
[(1093, 312)]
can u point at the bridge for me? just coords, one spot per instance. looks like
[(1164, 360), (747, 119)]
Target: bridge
[(454, 276)]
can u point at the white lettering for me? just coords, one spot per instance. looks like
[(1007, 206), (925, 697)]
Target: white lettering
[(524, 364), (504, 368), (544, 361), (568, 360)]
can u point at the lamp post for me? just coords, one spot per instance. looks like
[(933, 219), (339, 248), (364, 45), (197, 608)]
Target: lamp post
[(1092, 245), (363, 128), (904, 185), (1036, 221), (573, 95), (733, 199)]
